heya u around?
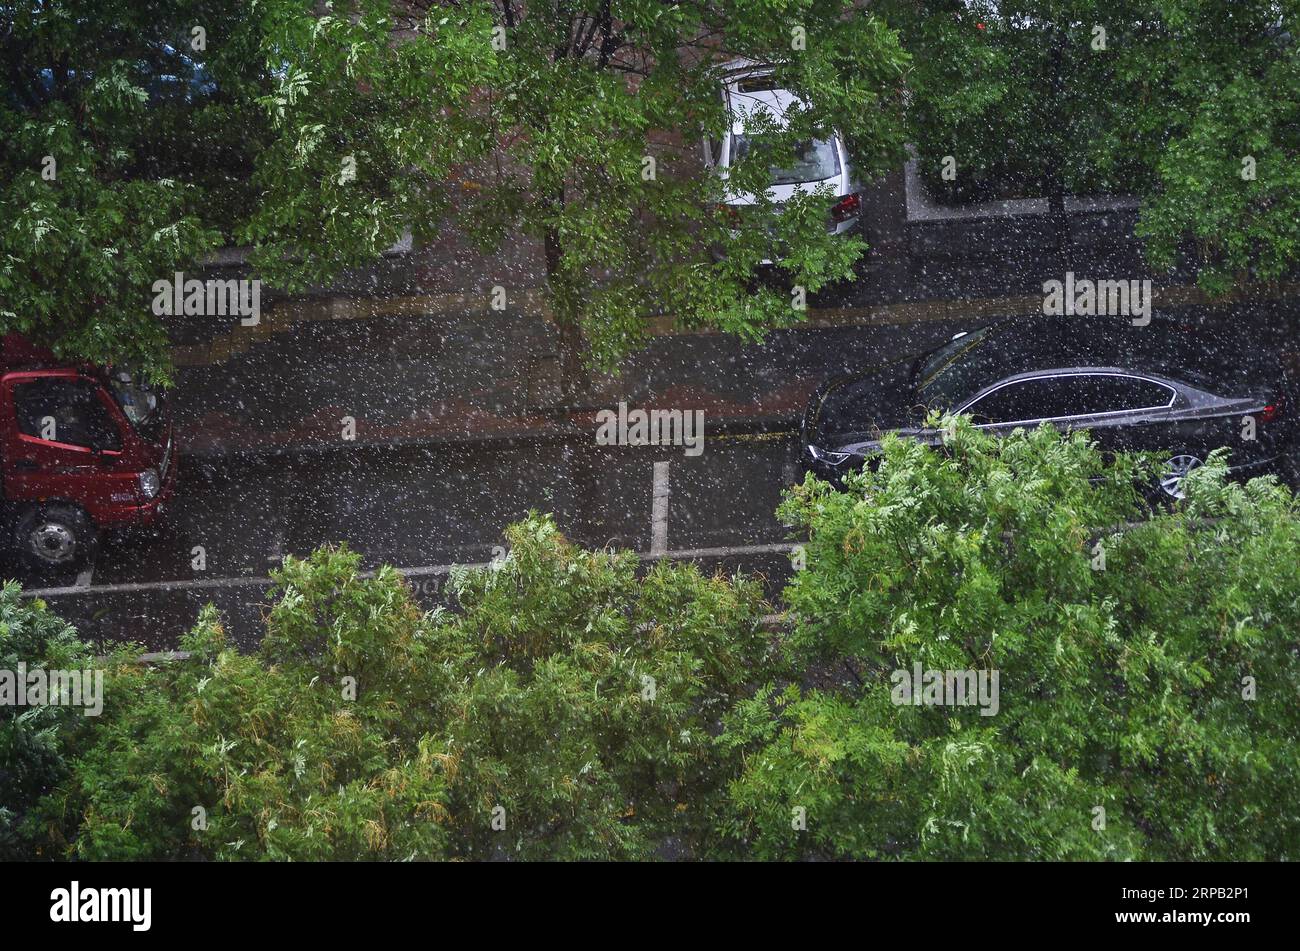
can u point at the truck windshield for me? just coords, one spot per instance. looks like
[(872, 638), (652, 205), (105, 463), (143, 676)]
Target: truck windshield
[(138, 400)]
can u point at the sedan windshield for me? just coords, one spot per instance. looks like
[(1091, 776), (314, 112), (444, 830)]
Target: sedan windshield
[(815, 160), (954, 371)]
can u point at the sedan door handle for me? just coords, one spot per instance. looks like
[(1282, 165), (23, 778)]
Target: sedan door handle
[(25, 464)]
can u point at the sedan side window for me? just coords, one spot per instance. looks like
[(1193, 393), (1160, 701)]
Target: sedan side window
[(66, 411), (1027, 401), (1079, 394), (1114, 394)]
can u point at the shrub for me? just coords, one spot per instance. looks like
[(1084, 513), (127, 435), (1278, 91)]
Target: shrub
[(564, 710), (35, 741), (1147, 671)]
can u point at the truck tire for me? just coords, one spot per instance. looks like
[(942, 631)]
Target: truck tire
[(56, 536)]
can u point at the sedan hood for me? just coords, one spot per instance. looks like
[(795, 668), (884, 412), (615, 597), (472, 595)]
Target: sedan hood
[(860, 408)]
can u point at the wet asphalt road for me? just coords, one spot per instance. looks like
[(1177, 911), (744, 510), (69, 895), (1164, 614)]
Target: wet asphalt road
[(414, 507), (425, 507), (421, 507)]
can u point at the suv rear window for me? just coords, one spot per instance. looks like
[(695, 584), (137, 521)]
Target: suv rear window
[(815, 160)]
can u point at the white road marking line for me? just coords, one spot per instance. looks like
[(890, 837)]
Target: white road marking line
[(276, 557), (659, 510), (728, 551), (84, 577), (687, 554)]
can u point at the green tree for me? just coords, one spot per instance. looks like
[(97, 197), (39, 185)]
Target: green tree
[(320, 133), (561, 130), (1147, 672), (1190, 105), (565, 710), (121, 163)]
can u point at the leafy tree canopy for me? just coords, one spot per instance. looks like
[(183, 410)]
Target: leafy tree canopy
[(1193, 105), (319, 133), (1147, 674), (35, 741), (564, 710), (570, 706)]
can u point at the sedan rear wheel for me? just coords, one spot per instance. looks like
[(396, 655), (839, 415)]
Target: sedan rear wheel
[(1171, 483)]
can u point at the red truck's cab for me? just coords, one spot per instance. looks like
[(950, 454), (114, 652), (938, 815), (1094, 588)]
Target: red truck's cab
[(82, 449)]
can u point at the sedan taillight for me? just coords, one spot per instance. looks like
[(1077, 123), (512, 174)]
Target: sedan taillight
[(1271, 412)]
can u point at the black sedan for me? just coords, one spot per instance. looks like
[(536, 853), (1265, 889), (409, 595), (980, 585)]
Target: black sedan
[(1153, 388)]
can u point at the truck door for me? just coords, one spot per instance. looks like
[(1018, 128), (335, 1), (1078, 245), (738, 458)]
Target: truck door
[(61, 440)]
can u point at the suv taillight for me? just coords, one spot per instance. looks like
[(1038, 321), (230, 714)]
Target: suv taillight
[(847, 207), (1271, 412), (730, 215)]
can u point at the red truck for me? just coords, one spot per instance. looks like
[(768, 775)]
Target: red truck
[(83, 449)]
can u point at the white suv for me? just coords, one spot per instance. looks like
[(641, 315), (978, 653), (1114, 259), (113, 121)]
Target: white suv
[(748, 91)]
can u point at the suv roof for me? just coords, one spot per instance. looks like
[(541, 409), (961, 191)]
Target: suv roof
[(749, 87)]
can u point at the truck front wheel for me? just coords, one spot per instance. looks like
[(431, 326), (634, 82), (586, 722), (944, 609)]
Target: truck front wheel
[(56, 536)]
